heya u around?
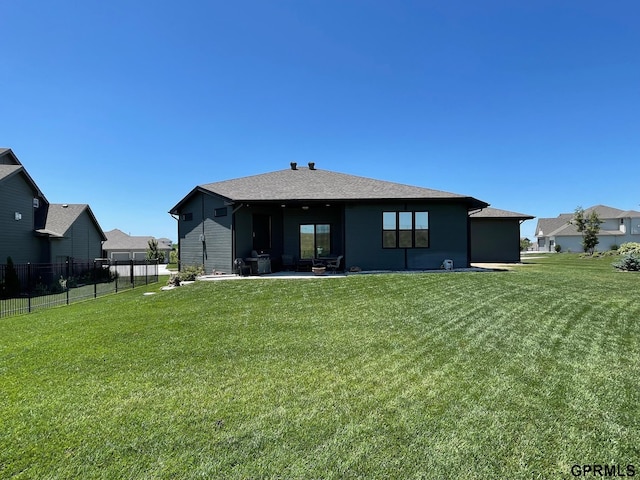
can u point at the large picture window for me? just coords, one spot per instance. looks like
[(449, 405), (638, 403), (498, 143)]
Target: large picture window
[(405, 229), (315, 240)]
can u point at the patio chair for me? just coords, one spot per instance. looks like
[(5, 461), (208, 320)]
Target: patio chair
[(334, 265)]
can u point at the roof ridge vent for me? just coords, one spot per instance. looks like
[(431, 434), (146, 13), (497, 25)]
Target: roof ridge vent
[(294, 166), (312, 166)]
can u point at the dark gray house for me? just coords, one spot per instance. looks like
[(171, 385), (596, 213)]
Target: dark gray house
[(34, 230), (495, 235), (305, 213), (23, 209)]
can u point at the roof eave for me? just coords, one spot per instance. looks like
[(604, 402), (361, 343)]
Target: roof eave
[(199, 189)]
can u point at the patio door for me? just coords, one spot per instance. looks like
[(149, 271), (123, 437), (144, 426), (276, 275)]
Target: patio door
[(315, 240), (261, 232)]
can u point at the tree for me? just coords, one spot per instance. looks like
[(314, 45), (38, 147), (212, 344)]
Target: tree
[(153, 253), (525, 243), (589, 226)]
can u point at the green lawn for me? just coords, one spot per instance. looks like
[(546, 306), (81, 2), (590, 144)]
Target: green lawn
[(517, 375)]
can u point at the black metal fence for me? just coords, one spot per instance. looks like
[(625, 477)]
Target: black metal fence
[(25, 288)]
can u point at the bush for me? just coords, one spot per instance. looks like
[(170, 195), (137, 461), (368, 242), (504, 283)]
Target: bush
[(190, 273), (629, 263), (558, 247), (614, 247), (629, 247), (11, 286)]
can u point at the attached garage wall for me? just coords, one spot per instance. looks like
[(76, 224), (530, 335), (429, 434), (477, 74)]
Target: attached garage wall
[(495, 240)]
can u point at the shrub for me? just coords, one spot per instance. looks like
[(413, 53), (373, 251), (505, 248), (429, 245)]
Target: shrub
[(629, 263), (614, 247), (558, 248), (190, 273), (629, 247), (11, 286)]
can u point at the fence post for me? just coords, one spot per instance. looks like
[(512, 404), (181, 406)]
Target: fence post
[(117, 275), (29, 286), (95, 280), (66, 283), (132, 278)]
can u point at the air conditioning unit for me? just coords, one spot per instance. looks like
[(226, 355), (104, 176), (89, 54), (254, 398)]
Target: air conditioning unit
[(36, 203)]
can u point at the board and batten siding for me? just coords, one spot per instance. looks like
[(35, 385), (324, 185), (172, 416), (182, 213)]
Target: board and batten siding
[(448, 227), (18, 239), (205, 240)]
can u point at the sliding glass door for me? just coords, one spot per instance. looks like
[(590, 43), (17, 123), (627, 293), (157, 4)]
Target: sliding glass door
[(315, 240)]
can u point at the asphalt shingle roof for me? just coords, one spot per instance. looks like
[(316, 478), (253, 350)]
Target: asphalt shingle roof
[(497, 213), (560, 225), (7, 171), (61, 216), (118, 240), (321, 185)]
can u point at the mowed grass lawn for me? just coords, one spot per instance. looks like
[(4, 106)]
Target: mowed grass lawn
[(518, 375)]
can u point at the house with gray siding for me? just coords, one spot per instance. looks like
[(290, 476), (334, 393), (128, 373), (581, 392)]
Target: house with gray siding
[(618, 227), (36, 231), (307, 213), (122, 247), (495, 235)]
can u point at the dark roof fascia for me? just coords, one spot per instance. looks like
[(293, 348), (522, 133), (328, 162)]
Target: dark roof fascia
[(9, 152), (176, 209), (472, 203), (97, 224)]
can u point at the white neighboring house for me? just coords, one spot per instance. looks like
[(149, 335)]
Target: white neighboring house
[(122, 247), (618, 227)]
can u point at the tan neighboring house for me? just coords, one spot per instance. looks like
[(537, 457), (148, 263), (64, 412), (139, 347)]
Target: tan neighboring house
[(618, 227), (122, 247)]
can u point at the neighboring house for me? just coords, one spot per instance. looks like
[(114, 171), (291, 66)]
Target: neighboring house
[(23, 209), (121, 247), (495, 235), (71, 230), (306, 212), (618, 227), (33, 230)]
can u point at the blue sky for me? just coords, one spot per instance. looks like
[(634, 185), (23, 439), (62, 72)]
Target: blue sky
[(531, 106)]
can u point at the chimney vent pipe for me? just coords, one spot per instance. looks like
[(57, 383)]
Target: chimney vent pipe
[(312, 166), (294, 166)]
